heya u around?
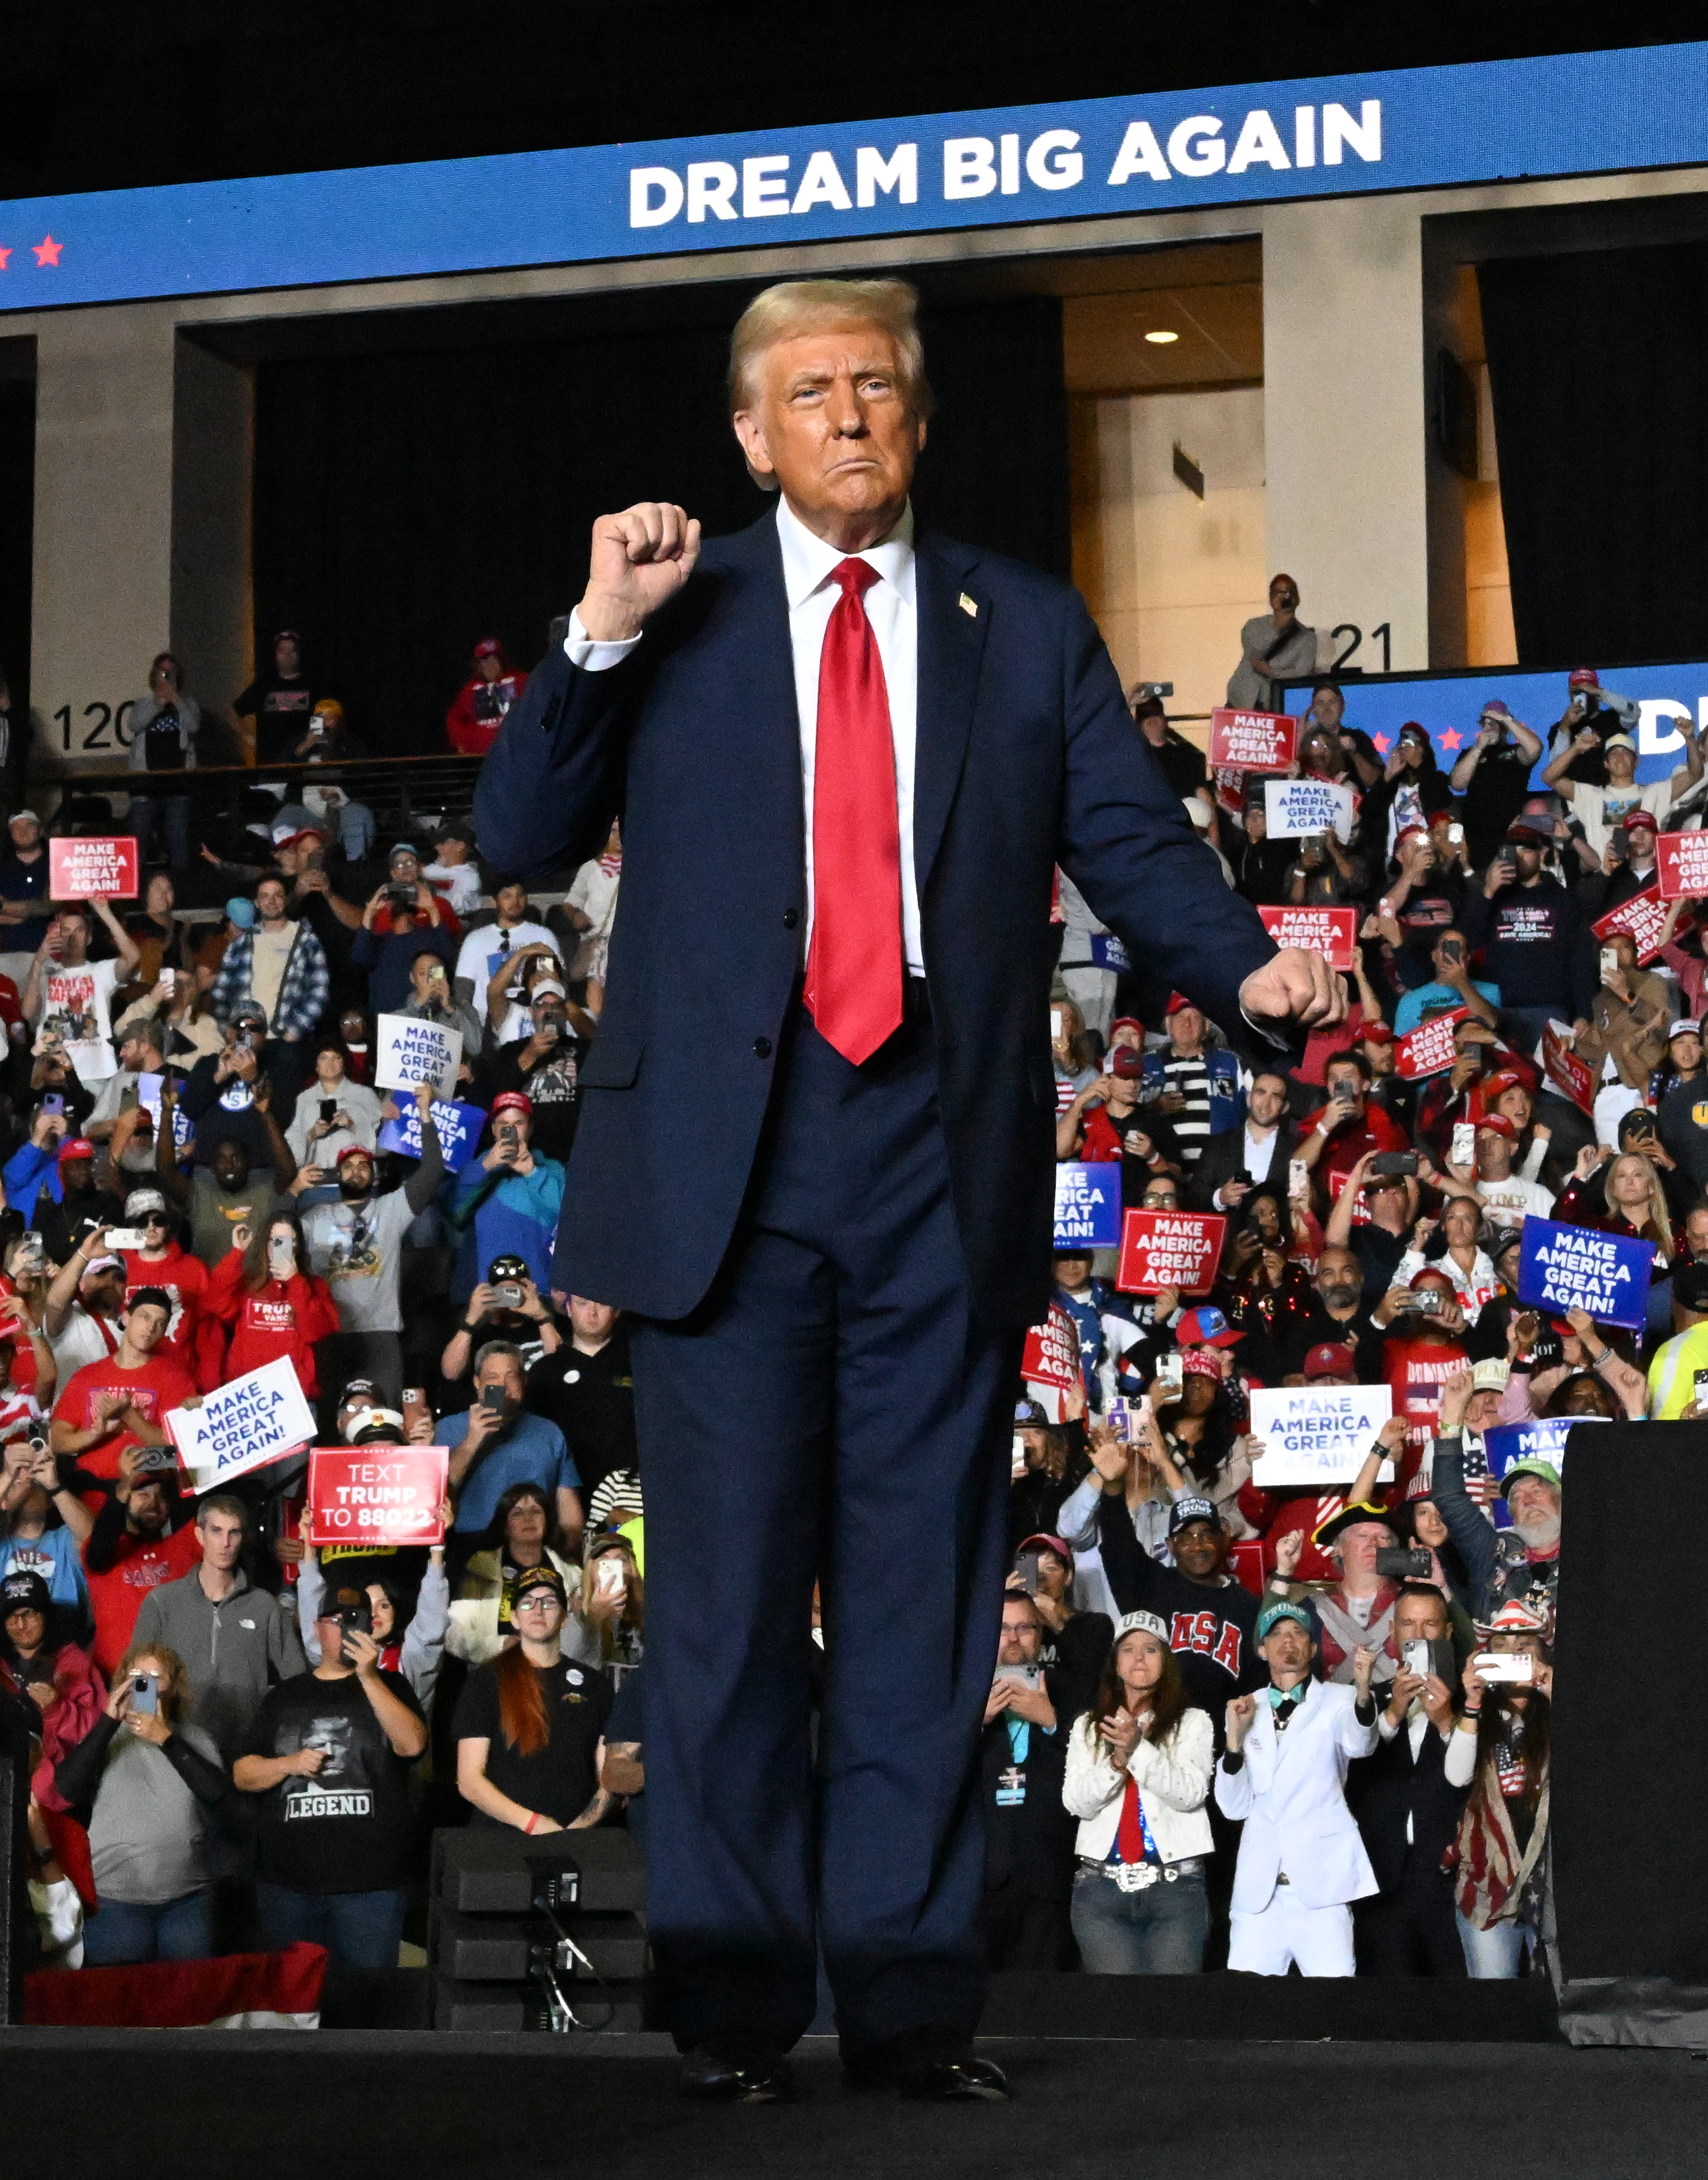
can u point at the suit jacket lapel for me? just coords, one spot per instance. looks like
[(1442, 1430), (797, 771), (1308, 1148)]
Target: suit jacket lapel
[(951, 650), (757, 667)]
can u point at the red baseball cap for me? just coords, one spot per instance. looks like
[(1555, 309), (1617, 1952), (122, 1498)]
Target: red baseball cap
[(1642, 821), (487, 647), (1127, 1022), (1126, 1061), (1176, 1001), (74, 1147), (1375, 1033), (1502, 1080), (1584, 677), (1497, 1123), (353, 1150), (1333, 1359), (1411, 833), (1043, 1540), (512, 1101)]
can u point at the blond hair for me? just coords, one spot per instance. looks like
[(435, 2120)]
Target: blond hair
[(1658, 1226), (794, 307)]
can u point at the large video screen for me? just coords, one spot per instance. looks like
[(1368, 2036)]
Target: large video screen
[(1449, 705)]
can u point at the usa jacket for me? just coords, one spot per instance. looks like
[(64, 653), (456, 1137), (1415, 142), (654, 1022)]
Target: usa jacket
[(1025, 757)]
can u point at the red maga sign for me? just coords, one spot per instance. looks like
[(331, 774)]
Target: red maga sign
[(1178, 1249), (1253, 742), (377, 1494), (1645, 916), (1333, 932), (1681, 862), (92, 870), (1429, 1048), (1051, 1354), (1566, 1072)]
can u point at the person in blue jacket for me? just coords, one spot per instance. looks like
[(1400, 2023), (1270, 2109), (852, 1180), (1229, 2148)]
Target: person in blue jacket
[(506, 1204)]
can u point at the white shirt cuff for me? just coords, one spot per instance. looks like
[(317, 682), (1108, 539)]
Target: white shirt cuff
[(591, 658)]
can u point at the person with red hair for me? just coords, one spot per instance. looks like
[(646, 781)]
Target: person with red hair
[(530, 1724), (478, 709)]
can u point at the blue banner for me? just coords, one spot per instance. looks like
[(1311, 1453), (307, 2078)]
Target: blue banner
[(1542, 1441), (1448, 706), (1435, 128), (1563, 1268), (1087, 1205), (458, 1131)]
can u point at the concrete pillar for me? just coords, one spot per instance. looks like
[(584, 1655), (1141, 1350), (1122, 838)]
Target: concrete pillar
[(1345, 419), (103, 590), (213, 611)]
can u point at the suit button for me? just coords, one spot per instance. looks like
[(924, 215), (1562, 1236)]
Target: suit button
[(761, 1048), (792, 916)]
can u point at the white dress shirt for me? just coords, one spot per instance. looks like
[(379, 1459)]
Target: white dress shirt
[(891, 609)]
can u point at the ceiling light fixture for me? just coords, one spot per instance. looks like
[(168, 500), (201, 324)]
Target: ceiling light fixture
[(1162, 338)]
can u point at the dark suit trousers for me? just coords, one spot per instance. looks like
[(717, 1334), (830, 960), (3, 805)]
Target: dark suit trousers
[(1410, 1931), (833, 1412)]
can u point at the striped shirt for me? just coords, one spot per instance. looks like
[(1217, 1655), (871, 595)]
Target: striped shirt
[(1191, 1078)]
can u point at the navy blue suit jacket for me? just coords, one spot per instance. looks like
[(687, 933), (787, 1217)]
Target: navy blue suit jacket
[(1026, 757)]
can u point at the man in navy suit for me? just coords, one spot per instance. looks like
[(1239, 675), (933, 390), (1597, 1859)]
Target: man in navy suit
[(814, 1161)]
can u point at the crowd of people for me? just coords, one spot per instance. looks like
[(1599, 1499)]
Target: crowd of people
[(1229, 1725), (239, 1738), (1239, 1723)]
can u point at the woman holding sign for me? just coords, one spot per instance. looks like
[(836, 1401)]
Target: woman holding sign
[(263, 1289)]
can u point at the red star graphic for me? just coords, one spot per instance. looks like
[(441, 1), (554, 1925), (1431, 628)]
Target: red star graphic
[(48, 251), (1450, 740), (4, 254), (1382, 743)]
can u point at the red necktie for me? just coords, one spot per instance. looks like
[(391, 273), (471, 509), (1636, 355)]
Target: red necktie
[(1129, 1834), (854, 961)]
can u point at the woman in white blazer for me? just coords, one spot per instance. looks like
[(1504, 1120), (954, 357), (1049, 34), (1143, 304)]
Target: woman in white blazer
[(1137, 1777), (1302, 1861)]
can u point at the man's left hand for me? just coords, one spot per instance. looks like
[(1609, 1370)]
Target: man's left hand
[(1294, 986)]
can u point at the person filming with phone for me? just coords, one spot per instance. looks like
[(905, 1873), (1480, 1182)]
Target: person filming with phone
[(1407, 1808), (1535, 941), (148, 1783), (1499, 1749), (1349, 1127), (507, 1201), (496, 1442), (329, 1751), (1453, 987)]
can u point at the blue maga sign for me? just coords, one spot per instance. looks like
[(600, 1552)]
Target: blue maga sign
[(1542, 1441), (458, 1131), (1562, 1268), (1087, 1206), (1448, 706), (1432, 127)]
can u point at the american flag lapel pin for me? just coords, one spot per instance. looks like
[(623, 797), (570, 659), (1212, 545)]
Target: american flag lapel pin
[(969, 606)]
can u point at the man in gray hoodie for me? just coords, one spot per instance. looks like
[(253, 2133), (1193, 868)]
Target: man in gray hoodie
[(234, 1640)]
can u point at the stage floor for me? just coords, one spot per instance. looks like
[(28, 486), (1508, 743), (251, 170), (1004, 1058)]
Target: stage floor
[(175, 2104)]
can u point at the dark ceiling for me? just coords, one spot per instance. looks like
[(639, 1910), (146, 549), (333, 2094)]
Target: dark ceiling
[(95, 94)]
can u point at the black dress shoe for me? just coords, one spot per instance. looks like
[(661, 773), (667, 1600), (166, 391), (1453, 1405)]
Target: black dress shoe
[(945, 2081), (757, 2078)]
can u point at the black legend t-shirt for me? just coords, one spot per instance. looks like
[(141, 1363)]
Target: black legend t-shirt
[(348, 1828), (560, 1779)]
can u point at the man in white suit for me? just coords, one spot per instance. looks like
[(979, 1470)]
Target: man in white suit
[(1301, 1862)]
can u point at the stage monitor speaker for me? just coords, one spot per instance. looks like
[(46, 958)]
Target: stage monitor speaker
[(1630, 1750)]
